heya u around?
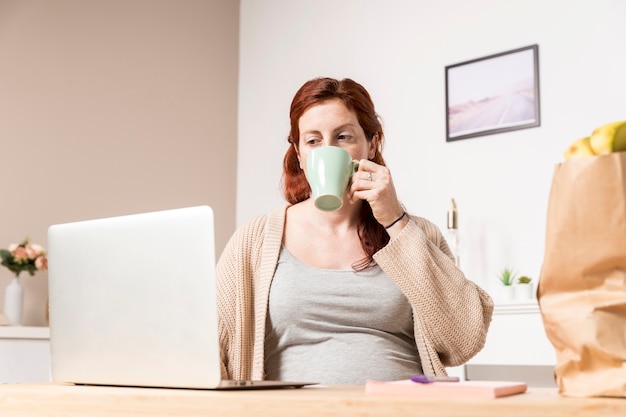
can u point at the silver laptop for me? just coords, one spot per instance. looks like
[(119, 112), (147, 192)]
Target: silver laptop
[(133, 302)]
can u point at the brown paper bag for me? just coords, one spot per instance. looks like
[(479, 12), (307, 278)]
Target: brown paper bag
[(582, 287)]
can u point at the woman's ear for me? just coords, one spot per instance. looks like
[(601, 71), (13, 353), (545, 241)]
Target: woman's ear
[(373, 146), (295, 148)]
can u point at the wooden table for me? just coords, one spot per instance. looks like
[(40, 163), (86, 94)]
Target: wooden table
[(68, 400)]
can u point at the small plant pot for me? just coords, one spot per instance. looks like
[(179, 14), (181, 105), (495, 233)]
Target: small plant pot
[(507, 293), (524, 292)]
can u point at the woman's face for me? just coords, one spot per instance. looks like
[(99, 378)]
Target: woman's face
[(331, 123)]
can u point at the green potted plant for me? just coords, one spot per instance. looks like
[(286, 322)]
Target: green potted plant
[(507, 279), (524, 288)]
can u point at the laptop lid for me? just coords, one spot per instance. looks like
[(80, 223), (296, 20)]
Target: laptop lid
[(132, 300)]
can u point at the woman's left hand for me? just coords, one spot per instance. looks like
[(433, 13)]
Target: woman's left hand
[(373, 183)]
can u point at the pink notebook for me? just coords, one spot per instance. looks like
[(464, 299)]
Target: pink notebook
[(447, 390)]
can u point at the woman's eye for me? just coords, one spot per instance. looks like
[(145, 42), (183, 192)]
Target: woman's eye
[(344, 137)]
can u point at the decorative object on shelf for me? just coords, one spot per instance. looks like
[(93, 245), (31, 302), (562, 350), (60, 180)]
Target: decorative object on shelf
[(452, 236), (13, 301), (18, 258), (507, 278), (524, 288)]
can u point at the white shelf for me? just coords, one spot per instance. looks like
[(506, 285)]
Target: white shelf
[(517, 307), (24, 332)]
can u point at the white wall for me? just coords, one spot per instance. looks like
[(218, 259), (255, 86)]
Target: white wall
[(398, 50)]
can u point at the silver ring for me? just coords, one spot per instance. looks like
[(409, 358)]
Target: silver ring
[(369, 176)]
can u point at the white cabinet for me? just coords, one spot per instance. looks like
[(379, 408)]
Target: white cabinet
[(24, 354), (517, 347), (516, 337)]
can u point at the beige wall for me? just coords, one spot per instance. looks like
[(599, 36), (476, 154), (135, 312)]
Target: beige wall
[(111, 107)]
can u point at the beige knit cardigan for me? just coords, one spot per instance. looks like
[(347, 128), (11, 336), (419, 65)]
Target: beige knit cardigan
[(451, 314)]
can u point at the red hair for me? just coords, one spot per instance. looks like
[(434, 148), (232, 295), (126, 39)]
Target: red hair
[(295, 186)]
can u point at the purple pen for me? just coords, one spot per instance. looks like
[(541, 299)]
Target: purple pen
[(424, 379)]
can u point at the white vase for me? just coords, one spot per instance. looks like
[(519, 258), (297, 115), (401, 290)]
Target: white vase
[(524, 292), (13, 301), (506, 292)]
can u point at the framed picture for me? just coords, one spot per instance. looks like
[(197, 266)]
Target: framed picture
[(493, 94)]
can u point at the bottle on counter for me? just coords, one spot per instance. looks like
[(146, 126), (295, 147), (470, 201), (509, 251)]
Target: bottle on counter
[(452, 235)]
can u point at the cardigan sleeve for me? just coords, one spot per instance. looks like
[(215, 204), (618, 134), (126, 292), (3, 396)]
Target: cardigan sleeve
[(235, 298), (452, 313)]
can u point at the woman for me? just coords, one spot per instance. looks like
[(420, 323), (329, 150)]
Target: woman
[(363, 292)]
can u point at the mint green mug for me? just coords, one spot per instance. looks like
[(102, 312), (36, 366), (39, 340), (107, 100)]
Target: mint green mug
[(328, 170)]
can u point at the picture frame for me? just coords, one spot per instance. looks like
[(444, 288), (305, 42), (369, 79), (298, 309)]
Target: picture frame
[(493, 94)]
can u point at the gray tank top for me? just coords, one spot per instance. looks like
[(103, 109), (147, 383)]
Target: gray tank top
[(337, 326)]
